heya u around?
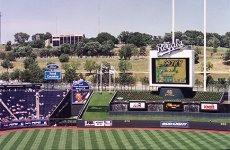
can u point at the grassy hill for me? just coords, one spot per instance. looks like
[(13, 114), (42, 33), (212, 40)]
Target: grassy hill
[(140, 64)]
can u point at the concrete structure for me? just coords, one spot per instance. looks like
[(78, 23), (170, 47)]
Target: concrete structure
[(59, 39)]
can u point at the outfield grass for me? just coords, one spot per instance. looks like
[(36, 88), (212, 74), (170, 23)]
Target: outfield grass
[(113, 139)]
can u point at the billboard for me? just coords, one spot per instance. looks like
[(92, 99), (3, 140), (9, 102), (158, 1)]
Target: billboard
[(170, 71), (137, 105), (80, 92), (209, 107), (173, 106)]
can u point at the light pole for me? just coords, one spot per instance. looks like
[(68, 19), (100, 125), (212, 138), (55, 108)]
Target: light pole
[(173, 17), (205, 45)]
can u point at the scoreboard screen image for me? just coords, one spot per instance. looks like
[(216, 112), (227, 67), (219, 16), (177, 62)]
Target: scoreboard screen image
[(170, 71)]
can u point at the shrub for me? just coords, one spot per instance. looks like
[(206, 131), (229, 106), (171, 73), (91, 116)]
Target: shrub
[(64, 58)]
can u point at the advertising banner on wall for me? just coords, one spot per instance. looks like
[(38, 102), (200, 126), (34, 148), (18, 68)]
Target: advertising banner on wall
[(137, 105), (209, 107), (174, 124), (22, 124), (173, 106), (80, 92), (99, 123)]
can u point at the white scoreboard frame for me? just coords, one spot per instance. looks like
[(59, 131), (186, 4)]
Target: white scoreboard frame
[(175, 54)]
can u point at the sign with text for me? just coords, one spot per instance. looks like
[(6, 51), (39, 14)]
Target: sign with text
[(209, 107), (174, 124), (80, 92), (52, 75), (168, 48), (134, 105), (173, 106)]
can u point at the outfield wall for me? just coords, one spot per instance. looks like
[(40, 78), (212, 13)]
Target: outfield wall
[(154, 124), (24, 124), (174, 114)]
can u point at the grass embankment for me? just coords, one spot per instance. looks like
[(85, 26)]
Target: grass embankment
[(140, 64)]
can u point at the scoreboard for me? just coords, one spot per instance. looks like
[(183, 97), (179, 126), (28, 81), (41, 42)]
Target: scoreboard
[(170, 66), (170, 70)]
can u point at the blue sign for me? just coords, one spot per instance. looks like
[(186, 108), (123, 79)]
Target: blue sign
[(52, 75), (52, 66), (80, 84), (80, 92), (174, 124)]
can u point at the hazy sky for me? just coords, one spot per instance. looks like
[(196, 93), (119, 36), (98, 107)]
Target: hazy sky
[(114, 16)]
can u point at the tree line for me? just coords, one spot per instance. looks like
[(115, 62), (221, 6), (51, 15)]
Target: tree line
[(133, 44)]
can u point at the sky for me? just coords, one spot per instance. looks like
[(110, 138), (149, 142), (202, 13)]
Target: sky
[(91, 17)]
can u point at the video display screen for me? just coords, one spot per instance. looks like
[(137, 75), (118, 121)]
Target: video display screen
[(170, 70)]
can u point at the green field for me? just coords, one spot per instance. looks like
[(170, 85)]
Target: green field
[(112, 139)]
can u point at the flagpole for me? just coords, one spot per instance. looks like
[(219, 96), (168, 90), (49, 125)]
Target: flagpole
[(205, 74)]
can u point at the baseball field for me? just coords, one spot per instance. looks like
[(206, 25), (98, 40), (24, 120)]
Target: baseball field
[(67, 138)]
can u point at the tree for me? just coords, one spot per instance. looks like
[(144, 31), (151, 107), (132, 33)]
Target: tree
[(127, 51), (104, 36), (15, 75), (5, 76), (124, 66), (215, 42), (8, 46), (23, 51), (70, 75), (124, 36), (65, 48), (80, 49), (139, 39), (168, 37), (64, 58), (7, 64), (210, 80), (70, 71), (2, 55), (196, 57), (21, 37), (107, 48), (47, 35), (90, 65), (209, 66), (11, 56), (28, 61), (156, 40), (33, 74), (37, 44), (226, 57), (92, 49)]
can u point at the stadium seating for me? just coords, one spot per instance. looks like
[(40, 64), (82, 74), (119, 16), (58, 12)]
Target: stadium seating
[(22, 103)]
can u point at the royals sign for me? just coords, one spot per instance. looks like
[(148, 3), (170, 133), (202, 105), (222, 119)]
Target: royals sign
[(167, 48)]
